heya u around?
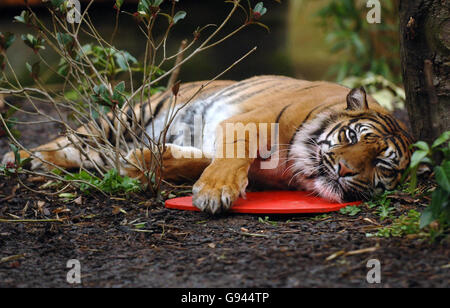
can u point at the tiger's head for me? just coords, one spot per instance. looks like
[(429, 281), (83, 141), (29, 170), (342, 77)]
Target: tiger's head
[(350, 154)]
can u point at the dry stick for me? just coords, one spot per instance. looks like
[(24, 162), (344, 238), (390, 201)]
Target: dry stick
[(173, 78), (12, 258), (43, 192), (207, 83), (31, 220), (116, 26), (196, 51)]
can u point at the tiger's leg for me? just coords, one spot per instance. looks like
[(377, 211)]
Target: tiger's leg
[(226, 178), (178, 163), (61, 153)]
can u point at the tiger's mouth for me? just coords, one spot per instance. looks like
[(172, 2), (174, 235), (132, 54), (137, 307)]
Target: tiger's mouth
[(330, 185)]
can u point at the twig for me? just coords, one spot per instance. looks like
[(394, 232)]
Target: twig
[(30, 220), (12, 258), (173, 78)]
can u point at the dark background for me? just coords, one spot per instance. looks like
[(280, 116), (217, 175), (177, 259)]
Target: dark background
[(271, 57)]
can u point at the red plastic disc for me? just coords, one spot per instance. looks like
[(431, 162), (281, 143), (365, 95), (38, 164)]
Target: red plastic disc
[(271, 202)]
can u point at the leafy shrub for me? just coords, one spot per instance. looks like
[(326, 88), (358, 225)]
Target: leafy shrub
[(102, 85), (439, 209), (111, 183), (363, 50), (403, 225)]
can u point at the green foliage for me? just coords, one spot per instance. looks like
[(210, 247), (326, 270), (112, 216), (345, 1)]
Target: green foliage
[(34, 69), (380, 200), (424, 155), (14, 168), (382, 204), (385, 210), (439, 209), (33, 42), (114, 183), (259, 10), (103, 96), (118, 4), (178, 16), (111, 183), (350, 210), (267, 221), (24, 18), (109, 61), (403, 225), (6, 40), (66, 41), (364, 46), (147, 8)]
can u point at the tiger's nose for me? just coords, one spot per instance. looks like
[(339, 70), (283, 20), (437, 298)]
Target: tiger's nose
[(344, 170)]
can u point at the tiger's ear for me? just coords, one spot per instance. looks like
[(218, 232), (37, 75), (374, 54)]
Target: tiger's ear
[(357, 99)]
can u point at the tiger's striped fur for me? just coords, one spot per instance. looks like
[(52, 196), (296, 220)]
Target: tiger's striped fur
[(338, 143)]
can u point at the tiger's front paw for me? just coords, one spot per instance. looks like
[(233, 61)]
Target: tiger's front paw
[(218, 188)]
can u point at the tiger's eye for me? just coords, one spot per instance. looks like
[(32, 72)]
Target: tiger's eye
[(351, 135)]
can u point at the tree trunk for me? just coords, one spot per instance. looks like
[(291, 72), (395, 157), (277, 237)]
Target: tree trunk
[(425, 54)]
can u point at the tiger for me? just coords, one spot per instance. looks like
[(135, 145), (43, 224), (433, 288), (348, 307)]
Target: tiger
[(336, 142)]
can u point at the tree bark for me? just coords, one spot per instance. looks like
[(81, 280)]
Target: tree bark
[(425, 55)]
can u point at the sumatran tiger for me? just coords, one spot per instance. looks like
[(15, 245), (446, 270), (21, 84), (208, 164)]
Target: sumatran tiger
[(336, 142)]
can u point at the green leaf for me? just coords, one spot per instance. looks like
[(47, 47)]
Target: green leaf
[(34, 69), (25, 161), (442, 176), (6, 40), (64, 39), (31, 41), (124, 59), (102, 95), (418, 157), (118, 94), (120, 87), (350, 210), (426, 218), (143, 7), (258, 7), (422, 146), (441, 139), (119, 4), (57, 3), (24, 17), (179, 16), (156, 3)]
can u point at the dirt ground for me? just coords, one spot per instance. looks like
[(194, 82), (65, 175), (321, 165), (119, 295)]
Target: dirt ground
[(136, 242)]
